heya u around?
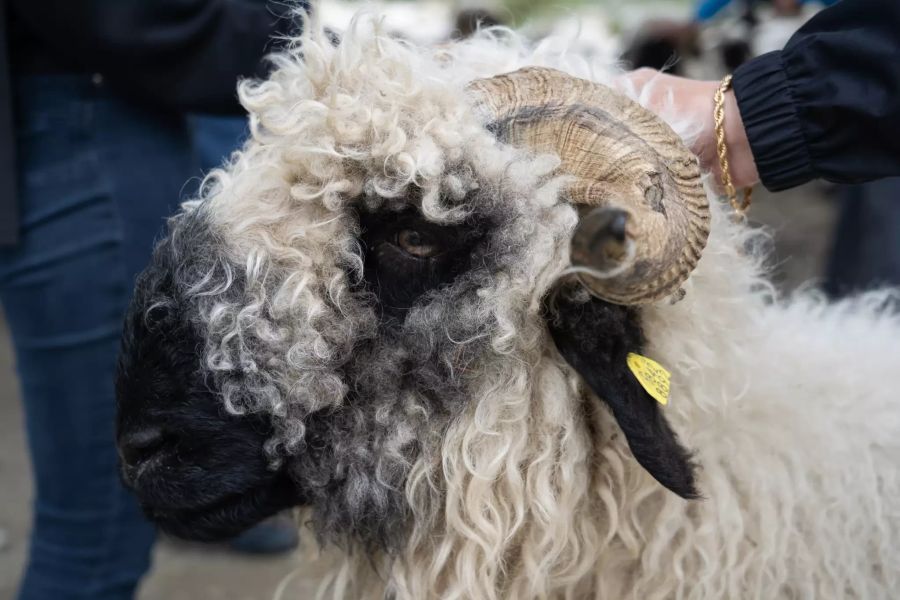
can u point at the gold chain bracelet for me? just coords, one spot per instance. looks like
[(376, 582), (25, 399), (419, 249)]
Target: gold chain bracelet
[(722, 150)]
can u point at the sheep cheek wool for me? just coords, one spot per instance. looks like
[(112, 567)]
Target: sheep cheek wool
[(459, 453)]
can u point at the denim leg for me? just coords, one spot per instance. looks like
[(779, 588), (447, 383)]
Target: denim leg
[(866, 252), (97, 180), (214, 138)]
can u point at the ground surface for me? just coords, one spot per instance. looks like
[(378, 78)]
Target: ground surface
[(801, 221)]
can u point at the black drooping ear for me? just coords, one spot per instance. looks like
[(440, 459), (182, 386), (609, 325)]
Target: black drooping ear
[(595, 337)]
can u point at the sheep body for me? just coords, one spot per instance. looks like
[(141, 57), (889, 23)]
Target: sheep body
[(525, 490)]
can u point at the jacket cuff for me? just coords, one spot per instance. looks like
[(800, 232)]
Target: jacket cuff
[(766, 102)]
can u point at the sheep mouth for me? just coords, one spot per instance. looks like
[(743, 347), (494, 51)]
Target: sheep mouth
[(167, 485), (134, 475), (227, 516)]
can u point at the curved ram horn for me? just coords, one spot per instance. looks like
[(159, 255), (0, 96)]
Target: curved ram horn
[(644, 213)]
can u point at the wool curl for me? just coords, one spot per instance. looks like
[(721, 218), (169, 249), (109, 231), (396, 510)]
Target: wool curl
[(512, 482)]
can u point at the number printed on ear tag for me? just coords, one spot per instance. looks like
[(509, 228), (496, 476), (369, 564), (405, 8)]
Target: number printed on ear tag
[(651, 375)]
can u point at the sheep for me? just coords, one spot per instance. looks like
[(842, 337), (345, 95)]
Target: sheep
[(373, 312)]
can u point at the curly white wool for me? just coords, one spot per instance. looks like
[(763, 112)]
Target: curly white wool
[(788, 404)]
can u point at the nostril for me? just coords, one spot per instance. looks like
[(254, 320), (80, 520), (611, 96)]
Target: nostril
[(140, 445)]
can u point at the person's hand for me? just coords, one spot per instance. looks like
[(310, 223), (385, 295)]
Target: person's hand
[(694, 99)]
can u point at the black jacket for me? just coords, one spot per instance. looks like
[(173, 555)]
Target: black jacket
[(179, 55), (827, 105)]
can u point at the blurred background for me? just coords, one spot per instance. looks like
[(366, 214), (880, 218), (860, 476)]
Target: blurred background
[(656, 33)]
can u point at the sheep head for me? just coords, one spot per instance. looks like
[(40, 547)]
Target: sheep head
[(315, 330)]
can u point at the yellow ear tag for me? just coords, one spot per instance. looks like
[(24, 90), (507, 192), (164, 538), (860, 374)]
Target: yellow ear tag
[(651, 375)]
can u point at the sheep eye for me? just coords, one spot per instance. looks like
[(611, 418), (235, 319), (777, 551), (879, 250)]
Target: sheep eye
[(417, 243)]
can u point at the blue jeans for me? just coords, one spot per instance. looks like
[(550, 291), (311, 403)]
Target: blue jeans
[(215, 138), (866, 252), (97, 178)]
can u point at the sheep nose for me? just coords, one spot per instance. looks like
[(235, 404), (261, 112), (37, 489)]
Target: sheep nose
[(138, 446)]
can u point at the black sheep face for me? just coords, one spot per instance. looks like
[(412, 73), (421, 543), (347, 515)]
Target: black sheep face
[(203, 472), (205, 467)]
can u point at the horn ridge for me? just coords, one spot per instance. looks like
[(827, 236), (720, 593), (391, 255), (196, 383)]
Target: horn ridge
[(620, 155)]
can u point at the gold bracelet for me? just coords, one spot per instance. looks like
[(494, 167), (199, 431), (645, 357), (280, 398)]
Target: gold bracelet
[(722, 149)]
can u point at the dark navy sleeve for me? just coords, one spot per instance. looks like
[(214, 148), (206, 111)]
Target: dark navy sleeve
[(827, 105), (184, 54)]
